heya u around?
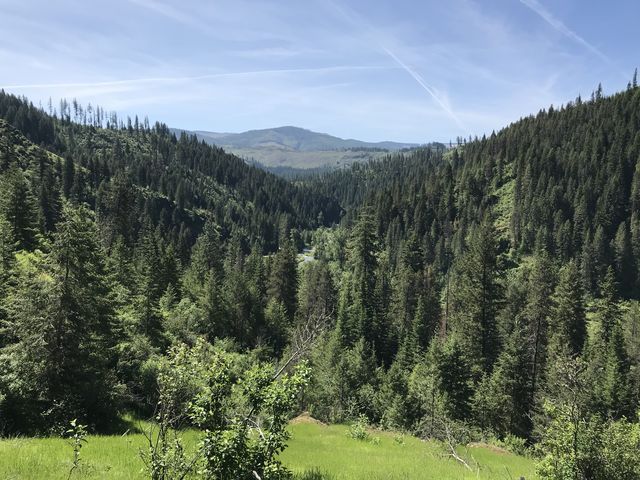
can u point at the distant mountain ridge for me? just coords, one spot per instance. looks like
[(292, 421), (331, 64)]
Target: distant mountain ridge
[(291, 139)]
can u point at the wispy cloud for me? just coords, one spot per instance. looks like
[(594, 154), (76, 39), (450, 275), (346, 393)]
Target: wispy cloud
[(182, 79), (171, 13), (441, 101), (560, 26), (358, 21), (412, 71)]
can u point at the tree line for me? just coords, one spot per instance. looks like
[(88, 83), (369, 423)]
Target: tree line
[(491, 287)]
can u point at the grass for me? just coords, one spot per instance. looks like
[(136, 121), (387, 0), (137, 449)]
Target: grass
[(330, 450), (327, 449)]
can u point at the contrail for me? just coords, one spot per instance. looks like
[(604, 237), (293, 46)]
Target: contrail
[(556, 23), (152, 80), (171, 13), (358, 22), (428, 88)]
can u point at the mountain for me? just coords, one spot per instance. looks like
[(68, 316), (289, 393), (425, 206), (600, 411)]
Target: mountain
[(294, 147), (293, 139)]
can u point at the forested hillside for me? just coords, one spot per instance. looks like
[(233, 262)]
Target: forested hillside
[(156, 177), (487, 291), (565, 181)]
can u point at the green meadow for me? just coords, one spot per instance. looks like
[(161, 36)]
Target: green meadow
[(313, 448)]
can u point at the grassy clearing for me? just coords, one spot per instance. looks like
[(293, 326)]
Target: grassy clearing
[(328, 449), (332, 451)]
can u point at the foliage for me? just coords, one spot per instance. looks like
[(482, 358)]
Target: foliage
[(243, 415), (358, 429), (589, 448), (578, 444), (77, 436), (452, 289)]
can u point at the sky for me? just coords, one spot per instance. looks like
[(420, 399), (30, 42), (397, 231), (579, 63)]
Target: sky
[(403, 70)]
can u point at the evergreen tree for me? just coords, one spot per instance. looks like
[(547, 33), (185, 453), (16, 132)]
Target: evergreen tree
[(536, 316), (608, 309), (68, 177), (568, 324), (426, 321), (17, 205), (624, 261), (455, 377), (502, 402), (283, 282), (476, 299), (149, 285), (61, 322), (357, 302), (616, 382)]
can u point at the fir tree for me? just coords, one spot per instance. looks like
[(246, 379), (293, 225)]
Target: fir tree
[(476, 299)]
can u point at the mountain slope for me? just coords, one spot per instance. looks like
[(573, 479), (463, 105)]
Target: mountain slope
[(175, 182), (293, 147), (566, 181), (293, 138)]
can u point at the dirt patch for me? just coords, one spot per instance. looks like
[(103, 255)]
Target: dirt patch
[(488, 446), (304, 417)]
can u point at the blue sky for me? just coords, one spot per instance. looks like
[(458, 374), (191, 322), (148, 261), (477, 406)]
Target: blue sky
[(395, 70)]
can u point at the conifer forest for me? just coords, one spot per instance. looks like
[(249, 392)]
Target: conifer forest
[(487, 291)]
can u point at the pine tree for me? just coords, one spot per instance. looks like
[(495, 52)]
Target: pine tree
[(502, 402), (283, 281), (536, 316), (59, 365), (476, 298), (7, 264), (149, 284), (317, 295), (455, 377), (608, 308), (277, 325), (426, 321), (568, 324), (17, 205), (624, 261), (357, 302), (237, 298), (68, 177), (608, 362), (617, 387)]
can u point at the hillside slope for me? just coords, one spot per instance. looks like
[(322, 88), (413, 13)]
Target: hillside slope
[(293, 138), (297, 147), (178, 181), (566, 181)]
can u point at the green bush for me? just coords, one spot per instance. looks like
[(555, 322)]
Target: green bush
[(358, 429), (514, 444)]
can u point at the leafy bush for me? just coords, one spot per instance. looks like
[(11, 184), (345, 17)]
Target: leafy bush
[(358, 429), (575, 448), (514, 444), (243, 415)]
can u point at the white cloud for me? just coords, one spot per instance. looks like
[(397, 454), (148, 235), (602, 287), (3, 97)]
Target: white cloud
[(145, 82), (559, 25), (356, 20)]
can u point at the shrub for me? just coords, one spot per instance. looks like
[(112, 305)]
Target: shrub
[(358, 429), (514, 444)]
